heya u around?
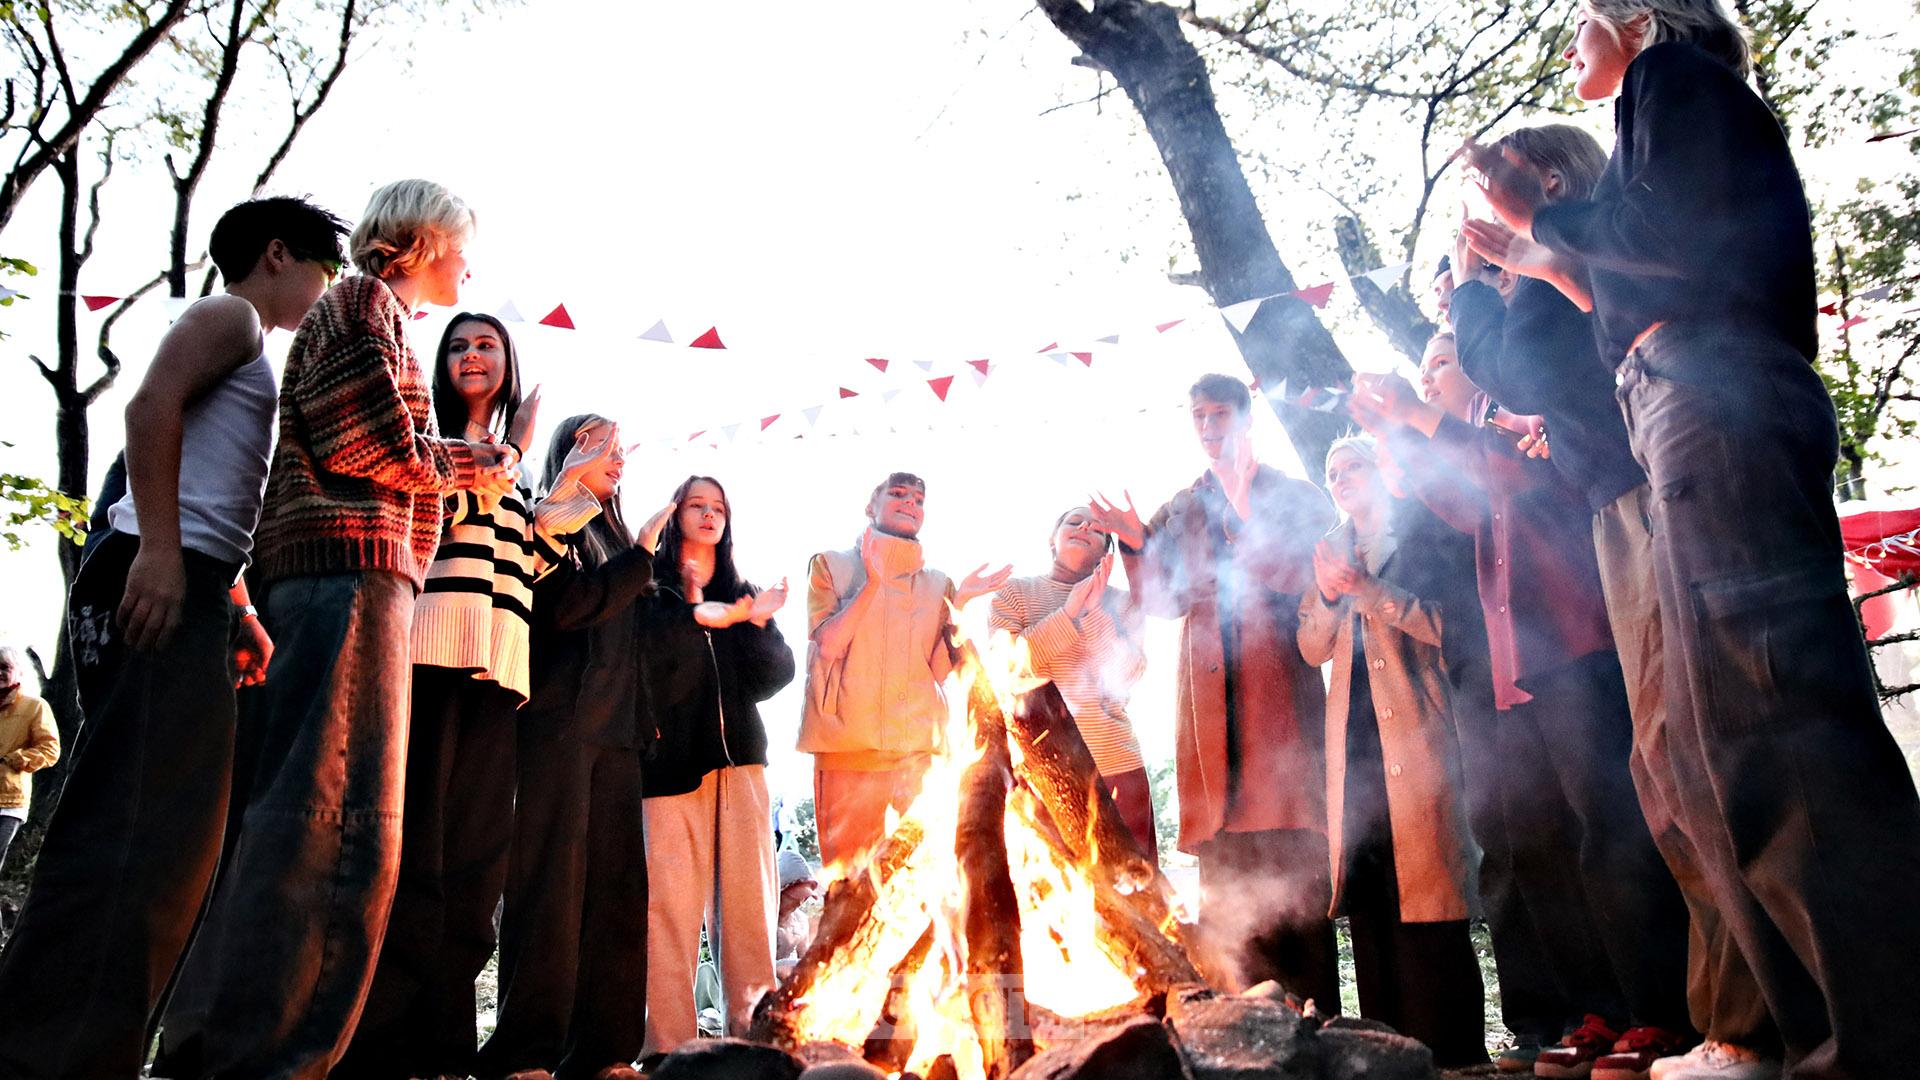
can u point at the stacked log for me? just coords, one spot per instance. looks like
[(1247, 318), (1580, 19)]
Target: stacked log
[(990, 907)]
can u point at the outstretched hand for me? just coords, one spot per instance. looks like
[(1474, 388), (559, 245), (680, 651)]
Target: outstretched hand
[(655, 525), (1122, 521), (766, 603), (980, 583), (1512, 188), (524, 419)]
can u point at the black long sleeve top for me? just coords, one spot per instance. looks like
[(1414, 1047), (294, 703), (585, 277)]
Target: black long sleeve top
[(1700, 215), (705, 687), (584, 661), (1535, 355)]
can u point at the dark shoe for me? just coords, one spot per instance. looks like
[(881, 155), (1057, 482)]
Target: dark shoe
[(1519, 1057), (1574, 1058)]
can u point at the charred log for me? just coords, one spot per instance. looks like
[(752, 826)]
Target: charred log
[(890, 1044), (844, 923), (991, 909)]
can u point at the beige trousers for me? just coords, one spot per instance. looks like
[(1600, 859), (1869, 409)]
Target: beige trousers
[(709, 862)]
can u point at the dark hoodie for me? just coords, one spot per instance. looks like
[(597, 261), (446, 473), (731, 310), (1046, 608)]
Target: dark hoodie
[(705, 689), (584, 659)]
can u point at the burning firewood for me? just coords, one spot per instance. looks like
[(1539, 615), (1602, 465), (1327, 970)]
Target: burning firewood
[(991, 917)]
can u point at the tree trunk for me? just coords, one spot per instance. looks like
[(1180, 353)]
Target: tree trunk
[(1395, 311), (1142, 45)]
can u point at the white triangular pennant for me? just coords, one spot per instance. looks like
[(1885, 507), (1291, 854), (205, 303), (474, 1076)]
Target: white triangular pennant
[(1110, 339), (658, 332), (730, 431), (888, 395), (924, 365), (1384, 277), (6, 293), (1878, 293), (812, 414), (1240, 315), (509, 313), (979, 377), (1063, 359)]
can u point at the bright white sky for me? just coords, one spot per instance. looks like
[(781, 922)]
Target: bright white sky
[(821, 185)]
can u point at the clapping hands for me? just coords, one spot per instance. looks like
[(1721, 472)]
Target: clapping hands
[(1086, 593), (1335, 572)]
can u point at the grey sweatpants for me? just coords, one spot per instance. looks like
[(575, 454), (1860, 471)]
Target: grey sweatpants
[(709, 861)]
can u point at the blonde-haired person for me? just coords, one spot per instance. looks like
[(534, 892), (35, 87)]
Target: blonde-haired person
[(352, 519), (1396, 812), (1698, 246)]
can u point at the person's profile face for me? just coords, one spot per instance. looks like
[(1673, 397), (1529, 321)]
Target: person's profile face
[(898, 509), (603, 476), (1442, 383), (1599, 57), (1218, 424)]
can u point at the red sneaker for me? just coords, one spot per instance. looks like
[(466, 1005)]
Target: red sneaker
[(1633, 1056), (1574, 1058)]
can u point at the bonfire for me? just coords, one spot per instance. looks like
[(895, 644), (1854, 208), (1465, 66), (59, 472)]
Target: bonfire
[(1008, 903)]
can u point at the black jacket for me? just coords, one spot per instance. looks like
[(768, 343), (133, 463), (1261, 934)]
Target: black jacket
[(588, 681), (1535, 355), (1700, 216), (706, 686)]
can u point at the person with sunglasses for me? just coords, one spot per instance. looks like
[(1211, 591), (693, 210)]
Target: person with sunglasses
[(131, 850), (1084, 634)]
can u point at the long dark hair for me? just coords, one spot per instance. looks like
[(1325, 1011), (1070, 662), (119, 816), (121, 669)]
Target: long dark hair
[(726, 585), (607, 535), (450, 409)]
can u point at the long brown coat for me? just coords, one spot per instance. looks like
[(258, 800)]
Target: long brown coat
[(1252, 760), (1400, 638)]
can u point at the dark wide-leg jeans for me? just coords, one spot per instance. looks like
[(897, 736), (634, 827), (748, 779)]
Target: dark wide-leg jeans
[(297, 924), (573, 934), (132, 847), (1802, 808), (1532, 1004), (419, 1017), (1263, 911)]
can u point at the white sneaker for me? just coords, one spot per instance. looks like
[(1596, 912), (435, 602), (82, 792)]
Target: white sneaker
[(1716, 1061)]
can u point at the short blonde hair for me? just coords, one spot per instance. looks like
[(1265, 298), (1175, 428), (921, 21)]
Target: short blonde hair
[(1703, 23), (408, 224)]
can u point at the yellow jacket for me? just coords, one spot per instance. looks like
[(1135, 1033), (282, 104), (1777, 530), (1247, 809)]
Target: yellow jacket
[(28, 743)]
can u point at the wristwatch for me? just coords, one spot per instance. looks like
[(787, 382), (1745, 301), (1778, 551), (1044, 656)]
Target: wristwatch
[(248, 611)]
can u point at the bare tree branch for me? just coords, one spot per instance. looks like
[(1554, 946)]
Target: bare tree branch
[(84, 110)]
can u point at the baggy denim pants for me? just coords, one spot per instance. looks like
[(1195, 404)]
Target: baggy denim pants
[(131, 849), (1802, 810), (301, 909)]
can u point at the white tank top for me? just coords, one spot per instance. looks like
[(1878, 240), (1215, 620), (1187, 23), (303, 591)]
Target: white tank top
[(226, 443)]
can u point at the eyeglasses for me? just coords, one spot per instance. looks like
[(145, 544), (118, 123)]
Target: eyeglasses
[(329, 263)]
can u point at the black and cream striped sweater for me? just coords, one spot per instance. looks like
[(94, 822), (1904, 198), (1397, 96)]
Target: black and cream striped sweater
[(474, 612)]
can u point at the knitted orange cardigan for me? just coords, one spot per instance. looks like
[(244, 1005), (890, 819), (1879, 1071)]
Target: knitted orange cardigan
[(359, 469)]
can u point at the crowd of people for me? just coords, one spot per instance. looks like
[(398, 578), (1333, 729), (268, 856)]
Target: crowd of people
[(1569, 648)]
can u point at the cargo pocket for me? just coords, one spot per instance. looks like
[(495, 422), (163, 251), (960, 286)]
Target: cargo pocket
[(1776, 647)]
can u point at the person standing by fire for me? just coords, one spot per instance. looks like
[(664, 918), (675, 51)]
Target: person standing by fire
[(1233, 554), (876, 656), (1085, 636)]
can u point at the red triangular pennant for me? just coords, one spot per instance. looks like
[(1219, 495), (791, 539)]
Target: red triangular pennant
[(95, 303), (1885, 135), (418, 315), (1050, 346), (1084, 357), (846, 393), (708, 340), (1166, 326), (767, 421), (558, 317), (940, 386), (878, 364), (696, 434), (1831, 307), (980, 366), (1317, 295), (1853, 322)]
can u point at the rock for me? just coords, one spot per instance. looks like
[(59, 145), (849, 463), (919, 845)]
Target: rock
[(844, 1070), (728, 1059), (1242, 1038), (1141, 1050), (1371, 1051)]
